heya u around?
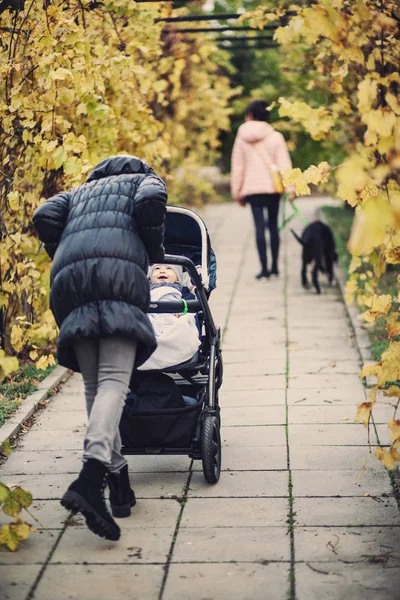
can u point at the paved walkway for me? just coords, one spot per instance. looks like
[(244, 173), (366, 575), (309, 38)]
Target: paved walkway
[(292, 516)]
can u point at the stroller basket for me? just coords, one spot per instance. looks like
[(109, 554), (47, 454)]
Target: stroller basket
[(170, 431)]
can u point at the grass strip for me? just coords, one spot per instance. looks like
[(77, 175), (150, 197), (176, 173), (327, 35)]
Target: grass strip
[(17, 386)]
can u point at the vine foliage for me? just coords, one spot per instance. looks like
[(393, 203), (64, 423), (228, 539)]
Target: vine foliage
[(81, 81)]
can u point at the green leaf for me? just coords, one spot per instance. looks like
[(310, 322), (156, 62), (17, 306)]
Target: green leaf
[(23, 497), (4, 492), (7, 448), (11, 506), (22, 529), (8, 538)]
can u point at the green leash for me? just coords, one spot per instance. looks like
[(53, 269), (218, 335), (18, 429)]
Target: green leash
[(296, 213)]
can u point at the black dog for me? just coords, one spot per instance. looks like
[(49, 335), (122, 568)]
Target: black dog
[(318, 247)]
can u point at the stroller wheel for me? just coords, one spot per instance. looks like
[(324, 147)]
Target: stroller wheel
[(211, 449)]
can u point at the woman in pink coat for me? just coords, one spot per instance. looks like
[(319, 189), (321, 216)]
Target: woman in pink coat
[(258, 150)]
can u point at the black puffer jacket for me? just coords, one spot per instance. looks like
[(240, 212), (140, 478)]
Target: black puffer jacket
[(102, 235)]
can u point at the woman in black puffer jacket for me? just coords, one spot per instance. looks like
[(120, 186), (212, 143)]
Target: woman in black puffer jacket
[(101, 236)]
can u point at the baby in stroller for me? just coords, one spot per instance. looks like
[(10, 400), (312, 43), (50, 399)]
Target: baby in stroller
[(177, 341), (177, 334)]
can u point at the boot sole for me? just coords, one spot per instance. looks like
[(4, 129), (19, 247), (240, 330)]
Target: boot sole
[(122, 511), (96, 523)]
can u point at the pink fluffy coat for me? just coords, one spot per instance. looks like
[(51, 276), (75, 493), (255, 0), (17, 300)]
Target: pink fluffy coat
[(257, 148)]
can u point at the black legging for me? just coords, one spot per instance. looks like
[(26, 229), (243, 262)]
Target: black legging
[(258, 203)]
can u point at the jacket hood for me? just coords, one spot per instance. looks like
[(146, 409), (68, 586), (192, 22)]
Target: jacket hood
[(119, 165), (254, 131)]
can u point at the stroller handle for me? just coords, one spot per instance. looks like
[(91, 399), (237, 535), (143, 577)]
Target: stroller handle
[(204, 246)]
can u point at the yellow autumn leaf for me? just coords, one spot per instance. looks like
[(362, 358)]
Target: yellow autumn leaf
[(363, 413), (381, 121), (379, 306), (8, 364), (394, 426), (389, 365), (385, 457), (393, 325), (367, 92), (371, 369), (392, 391), (17, 337), (42, 363)]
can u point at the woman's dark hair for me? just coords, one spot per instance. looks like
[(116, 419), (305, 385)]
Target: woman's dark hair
[(258, 109)]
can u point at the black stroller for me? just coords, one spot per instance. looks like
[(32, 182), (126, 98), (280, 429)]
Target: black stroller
[(193, 430)]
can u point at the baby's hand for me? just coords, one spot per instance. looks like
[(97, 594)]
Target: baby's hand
[(178, 315)]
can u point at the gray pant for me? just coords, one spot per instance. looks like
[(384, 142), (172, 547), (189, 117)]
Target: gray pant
[(106, 365)]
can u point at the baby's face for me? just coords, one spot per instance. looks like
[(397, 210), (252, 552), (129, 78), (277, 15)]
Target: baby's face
[(163, 274)]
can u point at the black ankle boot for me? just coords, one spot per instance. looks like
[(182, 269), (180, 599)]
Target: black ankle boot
[(122, 497), (86, 495), (263, 274)]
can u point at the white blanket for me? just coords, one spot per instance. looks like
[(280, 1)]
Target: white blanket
[(177, 337)]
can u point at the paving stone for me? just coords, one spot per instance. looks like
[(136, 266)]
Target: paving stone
[(136, 545), (325, 397), (335, 458), (260, 415), (118, 582), (241, 484), (221, 581), (248, 398), (49, 513), (32, 551), (74, 385), (16, 582), (232, 544), (158, 464), (235, 354), (299, 352), (25, 462), (67, 461), (269, 348), (297, 332), (265, 367), (39, 440), (326, 482), (344, 434), (254, 436), (66, 402), (146, 485), (53, 421), (234, 512), (152, 512), (257, 458), (355, 544), (346, 511), (243, 340), (45, 487), (300, 366), (266, 382), (320, 381), (158, 485), (333, 347), (334, 413), (339, 581)]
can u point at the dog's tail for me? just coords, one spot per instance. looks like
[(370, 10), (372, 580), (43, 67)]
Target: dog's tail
[(297, 237)]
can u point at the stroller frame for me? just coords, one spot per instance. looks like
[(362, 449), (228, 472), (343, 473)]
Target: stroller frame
[(206, 375)]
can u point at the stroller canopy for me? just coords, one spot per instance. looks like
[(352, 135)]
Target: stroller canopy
[(183, 236)]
